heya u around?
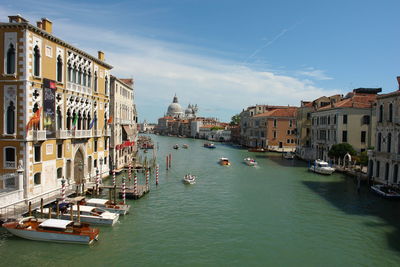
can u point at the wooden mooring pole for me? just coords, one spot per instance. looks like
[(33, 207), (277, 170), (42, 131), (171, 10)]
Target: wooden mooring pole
[(30, 208), (41, 208)]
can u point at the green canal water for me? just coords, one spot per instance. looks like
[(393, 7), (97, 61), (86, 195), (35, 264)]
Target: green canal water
[(277, 214)]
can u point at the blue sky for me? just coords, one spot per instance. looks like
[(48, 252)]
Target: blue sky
[(226, 55)]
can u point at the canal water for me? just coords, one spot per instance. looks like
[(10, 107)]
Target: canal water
[(276, 214)]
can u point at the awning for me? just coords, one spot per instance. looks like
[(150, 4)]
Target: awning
[(128, 131)]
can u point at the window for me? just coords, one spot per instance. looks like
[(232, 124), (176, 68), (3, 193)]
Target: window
[(389, 142), (387, 171), (288, 141), (37, 153), (37, 178), (290, 123), (95, 146), (378, 167), (275, 123), (106, 85), (366, 119), (329, 119), (288, 132), (10, 117), (59, 173), (95, 163), (105, 161), (390, 112), (344, 119), (79, 76), (398, 144), (363, 136), (274, 134), (344, 137), (334, 119), (95, 81), (59, 151), (36, 61), (69, 73), (379, 142), (59, 69), (89, 79), (10, 69), (10, 156), (380, 113), (395, 173)]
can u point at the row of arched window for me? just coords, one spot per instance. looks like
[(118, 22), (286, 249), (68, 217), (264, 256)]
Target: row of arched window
[(395, 172), (379, 142), (10, 60), (382, 113)]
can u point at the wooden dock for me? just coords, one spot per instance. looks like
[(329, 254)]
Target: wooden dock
[(130, 193)]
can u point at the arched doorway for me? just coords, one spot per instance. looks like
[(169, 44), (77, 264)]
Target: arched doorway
[(78, 167)]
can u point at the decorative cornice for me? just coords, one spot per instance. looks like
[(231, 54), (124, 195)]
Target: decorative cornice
[(51, 37)]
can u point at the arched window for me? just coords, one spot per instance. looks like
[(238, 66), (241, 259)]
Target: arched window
[(95, 120), (10, 158), (59, 173), (11, 59), (395, 173), (79, 76), (59, 118), (37, 178), (95, 81), (389, 142), (36, 61), (74, 75), (69, 119), (380, 113), (84, 78), (89, 79), (79, 121), (106, 85), (69, 73), (88, 121), (379, 141), (59, 69), (387, 171), (378, 168), (10, 116), (390, 112)]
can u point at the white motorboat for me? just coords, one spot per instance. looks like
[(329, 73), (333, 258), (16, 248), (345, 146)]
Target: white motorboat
[(321, 167), (224, 162), (53, 230), (386, 191), (87, 214), (107, 205), (189, 179), (288, 155), (250, 161)]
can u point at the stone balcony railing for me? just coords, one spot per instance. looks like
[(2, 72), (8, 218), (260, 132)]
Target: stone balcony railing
[(38, 135), (82, 133), (97, 133), (10, 164), (63, 134)]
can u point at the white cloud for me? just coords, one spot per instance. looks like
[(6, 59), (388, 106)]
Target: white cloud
[(314, 73)]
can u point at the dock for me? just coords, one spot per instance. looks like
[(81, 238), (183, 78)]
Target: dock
[(129, 191)]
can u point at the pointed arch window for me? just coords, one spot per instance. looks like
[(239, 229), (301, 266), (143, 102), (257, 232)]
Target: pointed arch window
[(379, 141), (79, 76), (89, 79), (69, 119), (380, 113), (11, 59), (59, 118), (390, 112), (389, 142), (106, 85), (59, 68), (36, 61), (95, 81), (84, 78), (69, 73), (10, 118)]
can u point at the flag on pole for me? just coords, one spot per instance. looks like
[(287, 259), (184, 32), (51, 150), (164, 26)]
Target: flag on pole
[(75, 121), (92, 123), (34, 120)]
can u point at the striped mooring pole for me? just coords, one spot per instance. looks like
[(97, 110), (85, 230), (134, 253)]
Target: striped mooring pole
[(63, 190), (135, 191), (157, 167), (166, 160), (114, 176), (97, 181), (147, 177), (170, 160), (123, 189)]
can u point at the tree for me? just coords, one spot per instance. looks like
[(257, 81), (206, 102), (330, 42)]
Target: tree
[(339, 150), (235, 120)]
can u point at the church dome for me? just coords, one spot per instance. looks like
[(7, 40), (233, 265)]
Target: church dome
[(174, 109)]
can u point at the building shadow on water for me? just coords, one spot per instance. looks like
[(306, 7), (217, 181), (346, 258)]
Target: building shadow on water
[(344, 196)]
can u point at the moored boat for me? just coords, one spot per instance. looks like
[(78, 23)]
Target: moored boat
[(107, 205), (53, 230), (224, 162), (257, 149), (209, 145), (386, 191), (250, 161), (185, 146), (189, 179), (321, 167), (176, 146), (288, 155)]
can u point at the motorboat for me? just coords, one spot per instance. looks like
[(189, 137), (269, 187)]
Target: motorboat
[(87, 214), (321, 167), (105, 204), (176, 146), (189, 179), (53, 230), (224, 162), (185, 146), (257, 149), (209, 145), (250, 161), (386, 191), (288, 155)]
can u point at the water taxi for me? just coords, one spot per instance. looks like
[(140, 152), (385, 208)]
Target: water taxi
[(185, 146), (176, 146), (105, 204), (250, 161), (189, 179), (386, 191), (321, 167), (209, 145), (224, 162), (53, 230)]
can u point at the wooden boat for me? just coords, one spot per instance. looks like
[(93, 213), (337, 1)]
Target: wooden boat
[(257, 149), (105, 204), (386, 191), (209, 145), (53, 230), (189, 179), (224, 162), (250, 161), (176, 146), (88, 214), (321, 167)]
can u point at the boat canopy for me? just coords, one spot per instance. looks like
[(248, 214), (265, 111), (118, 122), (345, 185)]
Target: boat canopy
[(97, 201), (55, 223), (83, 208), (223, 159)]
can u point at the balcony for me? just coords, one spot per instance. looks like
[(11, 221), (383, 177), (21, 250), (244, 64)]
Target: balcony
[(10, 165), (63, 134), (39, 135), (82, 133), (97, 133), (108, 132)]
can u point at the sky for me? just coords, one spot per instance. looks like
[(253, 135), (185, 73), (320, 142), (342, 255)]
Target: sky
[(226, 55)]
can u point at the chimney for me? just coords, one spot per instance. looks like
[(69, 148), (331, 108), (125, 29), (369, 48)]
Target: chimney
[(16, 19), (398, 81), (39, 24), (47, 25), (100, 55)]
